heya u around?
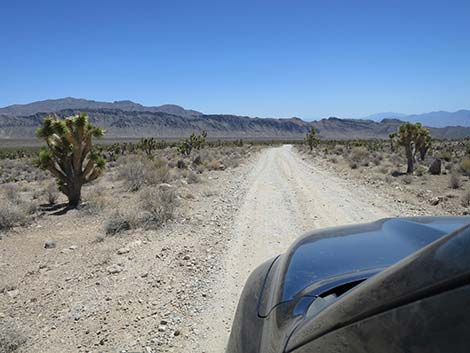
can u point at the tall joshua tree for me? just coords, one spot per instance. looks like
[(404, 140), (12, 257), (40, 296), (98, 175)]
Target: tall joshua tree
[(414, 138), (311, 138), (69, 155)]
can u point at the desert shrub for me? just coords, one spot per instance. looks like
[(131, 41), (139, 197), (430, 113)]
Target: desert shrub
[(193, 178), (95, 200), (11, 192), (465, 166), (11, 338), (155, 175), (384, 170), (407, 179), (132, 172), (359, 154), (159, 205), (52, 193), (454, 181), (338, 150), (117, 223), (465, 200), (447, 156), (420, 171), (11, 215), (137, 172)]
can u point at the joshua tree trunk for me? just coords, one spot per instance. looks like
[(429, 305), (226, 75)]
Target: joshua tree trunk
[(75, 194), (409, 157)]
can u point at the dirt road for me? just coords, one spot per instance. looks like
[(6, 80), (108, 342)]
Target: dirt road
[(286, 197)]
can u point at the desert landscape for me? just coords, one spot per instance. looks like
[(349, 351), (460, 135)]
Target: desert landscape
[(234, 176), (156, 254)]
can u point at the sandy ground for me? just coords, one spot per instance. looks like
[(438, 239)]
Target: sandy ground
[(175, 289)]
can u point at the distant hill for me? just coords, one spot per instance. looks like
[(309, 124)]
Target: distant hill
[(128, 119), (56, 105), (385, 115), (434, 119)]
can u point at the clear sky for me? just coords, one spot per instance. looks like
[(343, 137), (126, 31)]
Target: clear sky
[(309, 59)]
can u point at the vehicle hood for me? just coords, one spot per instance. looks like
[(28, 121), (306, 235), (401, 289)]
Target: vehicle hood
[(358, 251)]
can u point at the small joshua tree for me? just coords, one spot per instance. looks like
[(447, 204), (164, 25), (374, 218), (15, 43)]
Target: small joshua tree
[(69, 155), (311, 138), (192, 142), (392, 137), (148, 145)]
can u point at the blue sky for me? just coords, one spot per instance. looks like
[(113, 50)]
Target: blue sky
[(271, 58)]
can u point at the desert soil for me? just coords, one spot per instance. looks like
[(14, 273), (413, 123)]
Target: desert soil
[(174, 289)]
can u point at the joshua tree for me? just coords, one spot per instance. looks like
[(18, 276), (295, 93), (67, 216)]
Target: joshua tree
[(423, 142), (148, 145), (392, 137), (311, 139), (192, 142), (415, 138), (69, 155)]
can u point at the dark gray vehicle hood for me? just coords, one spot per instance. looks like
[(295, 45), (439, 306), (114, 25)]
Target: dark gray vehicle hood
[(355, 252)]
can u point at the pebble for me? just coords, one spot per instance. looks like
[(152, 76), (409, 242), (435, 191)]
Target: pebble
[(50, 244), (115, 268), (122, 251)]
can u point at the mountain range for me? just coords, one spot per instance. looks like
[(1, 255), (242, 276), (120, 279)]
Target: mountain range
[(128, 119), (434, 119)]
